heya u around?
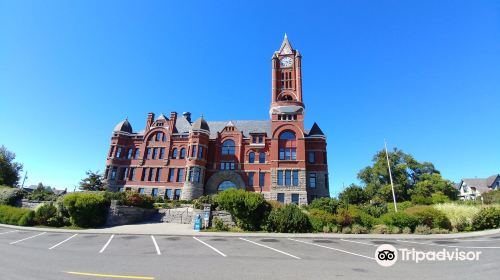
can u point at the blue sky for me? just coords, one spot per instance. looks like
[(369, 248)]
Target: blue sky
[(422, 74)]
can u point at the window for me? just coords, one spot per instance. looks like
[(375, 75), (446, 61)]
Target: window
[(251, 157), (168, 194), (227, 165), (164, 138), (111, 150), (119, 152), (228, 147), (194, 174), (262, 178), (177, 194), (155, 152), (200, 152), (226, 185), (180, 175), (193, 152), (144, 172), (131, 174), (281, 197), (162, 153), (280, 177), (136, 153), (154, 192), (250, 178), (260, 139), (140, 190), (171, 174), (262, 157), (148, 153), (158, 136), (158, 174), (183, 153), (312, 180), (287, 146), (123, 173), (295, 198), (174, 153), (288, 177), (295, 178), (311, 157), (113, 172), (150, 176), (129, 154)]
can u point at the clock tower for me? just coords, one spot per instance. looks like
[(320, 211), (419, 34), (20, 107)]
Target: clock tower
[(286, 78)]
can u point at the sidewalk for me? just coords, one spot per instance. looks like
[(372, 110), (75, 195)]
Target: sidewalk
[(187, 230)]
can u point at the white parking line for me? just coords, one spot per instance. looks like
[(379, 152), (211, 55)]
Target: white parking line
[(331, 248), (156, 245), (107, 243), (449, 246), (209, 246), (271, 248), (9, 231), (474, 240), (358, 242), (63, 241), (27, 238)]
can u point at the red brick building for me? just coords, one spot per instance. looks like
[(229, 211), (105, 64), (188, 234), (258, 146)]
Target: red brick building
[(176, 158)]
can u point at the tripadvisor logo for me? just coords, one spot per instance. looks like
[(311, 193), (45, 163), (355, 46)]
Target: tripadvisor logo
[(387, 255)]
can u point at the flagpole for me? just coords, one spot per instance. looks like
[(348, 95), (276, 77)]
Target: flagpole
[(390, 176)]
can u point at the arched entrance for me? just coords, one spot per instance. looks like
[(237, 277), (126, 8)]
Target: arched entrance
[(223, 180), (225, 185)]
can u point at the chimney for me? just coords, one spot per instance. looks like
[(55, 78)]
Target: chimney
[(149, 122), (187, 115), (173, 120)]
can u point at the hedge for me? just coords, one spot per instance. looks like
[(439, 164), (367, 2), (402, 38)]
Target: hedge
[(10, 196), (400, 220), (429, 216), (86, 209), (487, 218), (320, 218), (289, 218), (16, 216)]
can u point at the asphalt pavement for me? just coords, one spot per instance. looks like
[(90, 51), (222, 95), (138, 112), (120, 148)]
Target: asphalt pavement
[(27, 255)]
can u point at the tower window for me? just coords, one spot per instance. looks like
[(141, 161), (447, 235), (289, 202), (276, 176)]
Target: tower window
[(287, 146), (228, 147)]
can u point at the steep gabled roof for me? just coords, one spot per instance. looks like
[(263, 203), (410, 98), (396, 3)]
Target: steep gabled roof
[(315, 130), (246, 127)]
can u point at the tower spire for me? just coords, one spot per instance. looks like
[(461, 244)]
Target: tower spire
[(286, 46)]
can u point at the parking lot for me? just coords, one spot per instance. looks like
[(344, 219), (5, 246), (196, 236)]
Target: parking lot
[(48, 255)]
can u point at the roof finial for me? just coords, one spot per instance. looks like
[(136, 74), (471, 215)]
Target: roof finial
[(285, 35), (201, 115)]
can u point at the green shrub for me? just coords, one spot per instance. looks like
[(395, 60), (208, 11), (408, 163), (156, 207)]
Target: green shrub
[(429, 216), (422, 229), (439, 197), (138, 200), (10, 196), (487, 218), (380, 229), (346, 230), (375, 210), (320, 218), (419, 199), (395, 230), (44, 212), (399, 219), (492, 197), (358, 229), (86, 209), (401, 206), (219, 225), (327, 204), (439, 231), (12, 215), (28, 219), (288, 219), (460, 215), (248, 208), (206, 199), (119, 196), (406, 230)]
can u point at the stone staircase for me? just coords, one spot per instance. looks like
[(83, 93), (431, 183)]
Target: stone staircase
[(182, 215)]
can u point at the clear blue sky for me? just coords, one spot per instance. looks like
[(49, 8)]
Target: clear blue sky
[(423, 74)]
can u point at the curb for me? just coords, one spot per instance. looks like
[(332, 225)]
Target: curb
[(265, 234)]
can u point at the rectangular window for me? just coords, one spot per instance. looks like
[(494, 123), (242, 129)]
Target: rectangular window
[(129, 153), (295, 178), (162, 153), (288, 177), (311, 158), (281, 197), (262, 157), (193, 152), (136, 153), (171, 174), (295, 198), (282, 153), (262, 179), (168, 194), (177, 194), (154, 192), (150, 176), (200, 152), (294, 154), (158, 136), (280, 177), (155, 152), (121, 173), (111, 150), (194, 175), (148, 153), (312, 180), (158, 174), (260, 139), (113, 172), (144, 172), (250, 178), (141, 190), (119, 152), (131, 176), (180, 175)]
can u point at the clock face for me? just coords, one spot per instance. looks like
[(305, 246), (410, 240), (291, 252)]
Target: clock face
[(286, 62)]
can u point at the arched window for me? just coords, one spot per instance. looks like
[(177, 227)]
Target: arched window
[(286, 97), (228, 147), (287, 146), (174, 153), (158, 136), (262, 157), (226, 185), (183, 153), (251, 157)]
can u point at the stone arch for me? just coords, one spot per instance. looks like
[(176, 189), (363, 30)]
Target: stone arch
[(221, 176)]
